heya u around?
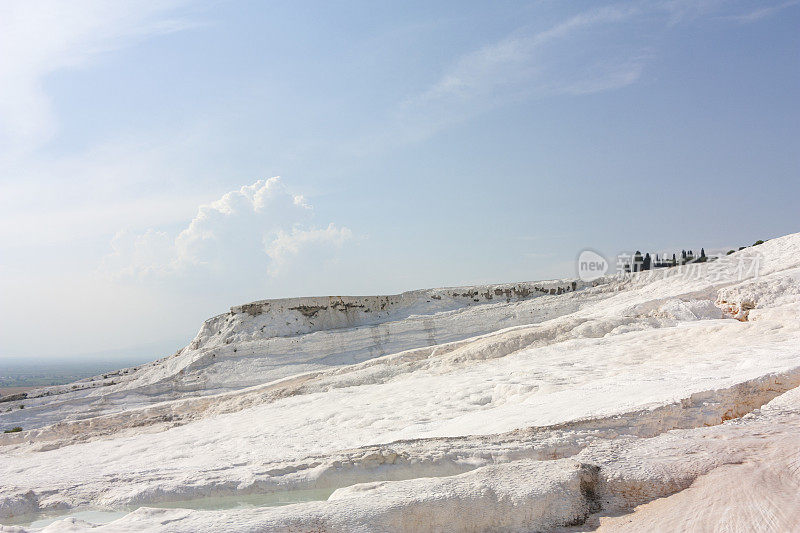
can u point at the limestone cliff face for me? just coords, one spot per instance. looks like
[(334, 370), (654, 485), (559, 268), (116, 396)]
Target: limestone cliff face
[(297, 316), (267, 340)]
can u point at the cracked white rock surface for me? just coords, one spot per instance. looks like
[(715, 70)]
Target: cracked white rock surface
[(500, 431)]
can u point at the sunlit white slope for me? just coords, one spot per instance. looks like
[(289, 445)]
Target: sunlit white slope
[(590, 407), (267, 340)]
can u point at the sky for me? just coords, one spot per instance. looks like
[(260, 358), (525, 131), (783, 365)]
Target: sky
[(163, 160)]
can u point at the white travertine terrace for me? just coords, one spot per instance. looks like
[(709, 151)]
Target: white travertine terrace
[(502, 408)]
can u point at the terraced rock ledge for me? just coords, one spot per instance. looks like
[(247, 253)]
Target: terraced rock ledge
[(625, 403)]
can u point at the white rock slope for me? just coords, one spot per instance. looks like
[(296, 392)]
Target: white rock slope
[(509, 413)]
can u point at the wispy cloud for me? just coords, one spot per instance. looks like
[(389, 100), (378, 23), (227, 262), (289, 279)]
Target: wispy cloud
[(43, 37), (600, 49), (683, 11), (742, 11), (528, 64), (763, 12)]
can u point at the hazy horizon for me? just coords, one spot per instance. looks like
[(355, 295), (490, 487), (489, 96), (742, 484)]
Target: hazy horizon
[(150, 351)]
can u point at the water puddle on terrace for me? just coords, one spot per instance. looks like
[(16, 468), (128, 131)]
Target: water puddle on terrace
[(246, 501)]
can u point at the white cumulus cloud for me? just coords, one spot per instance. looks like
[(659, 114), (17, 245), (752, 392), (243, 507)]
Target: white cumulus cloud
[(287, 246), (254, 233)]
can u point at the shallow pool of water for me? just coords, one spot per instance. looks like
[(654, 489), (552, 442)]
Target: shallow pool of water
[(247, 501), (240, 501), (45, 519)]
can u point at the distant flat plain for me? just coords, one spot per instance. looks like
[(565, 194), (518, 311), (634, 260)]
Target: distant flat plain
[(22, 376)]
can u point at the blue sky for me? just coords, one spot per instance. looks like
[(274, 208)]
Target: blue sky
[(418, 144)]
